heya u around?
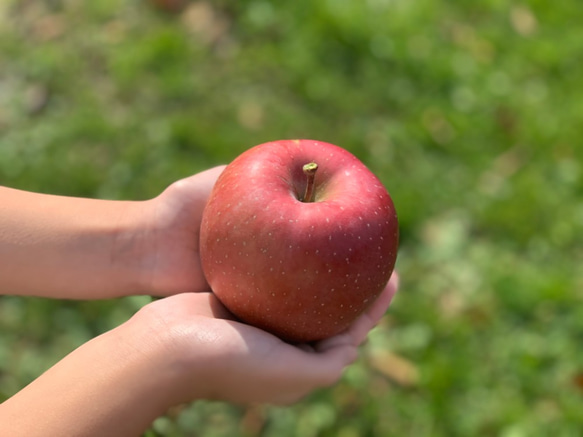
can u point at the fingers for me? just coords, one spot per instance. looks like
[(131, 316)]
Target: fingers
[(203, 181), (333, 355), (193, 190), (210, 176), (359, 330), (311, 371), (379, 308)]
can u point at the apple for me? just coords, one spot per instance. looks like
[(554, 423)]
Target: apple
[(298, 238)]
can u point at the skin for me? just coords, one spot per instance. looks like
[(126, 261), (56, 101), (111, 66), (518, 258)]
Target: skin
[(113, 248), (179, 349)]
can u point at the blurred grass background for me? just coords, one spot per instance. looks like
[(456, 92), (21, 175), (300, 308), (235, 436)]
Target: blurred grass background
[(470, 113)]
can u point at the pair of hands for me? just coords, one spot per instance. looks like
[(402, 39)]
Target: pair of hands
[(184, 347), (247, 364)]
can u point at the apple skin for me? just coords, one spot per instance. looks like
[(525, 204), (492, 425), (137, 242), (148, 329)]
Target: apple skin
[(302, 271)]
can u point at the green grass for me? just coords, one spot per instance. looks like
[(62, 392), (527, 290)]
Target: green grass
[(469, 112)]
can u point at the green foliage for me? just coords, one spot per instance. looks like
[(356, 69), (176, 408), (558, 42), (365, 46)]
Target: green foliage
[(469, 112)]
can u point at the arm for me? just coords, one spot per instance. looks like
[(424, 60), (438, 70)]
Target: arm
[(67, 247), (57, 246), (175, 350), (112, 385)]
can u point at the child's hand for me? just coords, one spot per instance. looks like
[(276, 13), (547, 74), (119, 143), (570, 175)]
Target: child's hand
[(215, 357), (171, 262)]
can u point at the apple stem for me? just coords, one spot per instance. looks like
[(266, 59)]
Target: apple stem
[(310, 172)]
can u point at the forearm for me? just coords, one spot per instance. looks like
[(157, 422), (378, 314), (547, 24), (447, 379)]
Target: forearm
[(114, 385), (68, 247)]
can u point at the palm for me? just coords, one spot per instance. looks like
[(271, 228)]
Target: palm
[(246, 364)]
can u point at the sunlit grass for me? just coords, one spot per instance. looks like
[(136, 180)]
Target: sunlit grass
[(469, 113)]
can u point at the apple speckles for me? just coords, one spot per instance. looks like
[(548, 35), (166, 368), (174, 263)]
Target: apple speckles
[(312, 251)]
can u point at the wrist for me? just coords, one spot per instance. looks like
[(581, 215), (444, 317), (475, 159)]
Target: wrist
[(114, 385), (133, 248), (163, 243), (173, 351)]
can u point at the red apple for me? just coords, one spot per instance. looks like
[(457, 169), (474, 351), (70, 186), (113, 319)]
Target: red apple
[(298, 254)]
